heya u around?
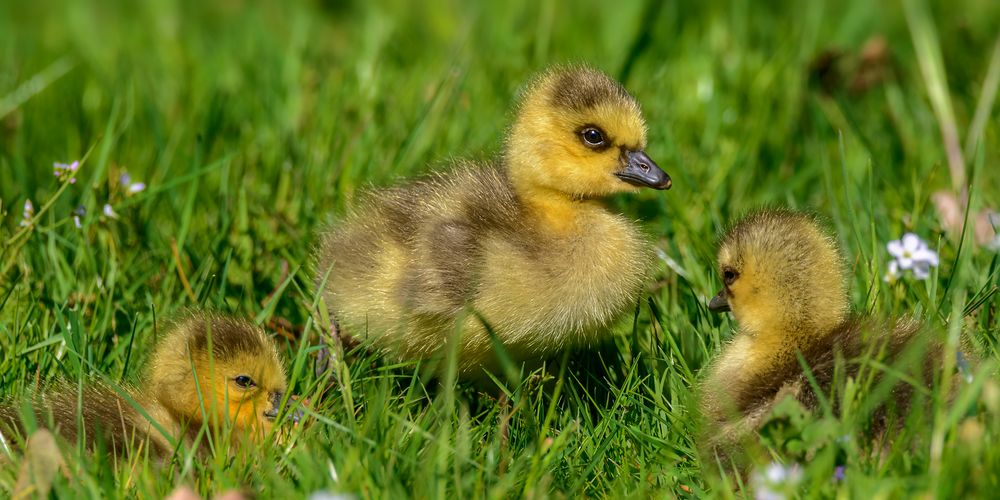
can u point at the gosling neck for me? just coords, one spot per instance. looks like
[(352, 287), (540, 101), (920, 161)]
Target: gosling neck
[(557, 211), (775, 348)]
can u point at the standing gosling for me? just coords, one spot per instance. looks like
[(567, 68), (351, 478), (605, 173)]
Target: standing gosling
[(786, 287), (521, 243), (207, 370)]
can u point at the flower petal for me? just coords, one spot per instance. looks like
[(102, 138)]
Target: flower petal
[(926, 256), (775, 473), (994, 244), (892, 273), (839, 473), (921, 271), (911, 242), (905, 262), (895, 248)]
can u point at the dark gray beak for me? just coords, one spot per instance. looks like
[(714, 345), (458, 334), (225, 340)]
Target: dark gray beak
[(719, 303), (272, 413), (642, 171)]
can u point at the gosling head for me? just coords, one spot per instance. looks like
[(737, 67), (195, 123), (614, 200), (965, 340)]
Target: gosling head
[(783, 276), (219, 369), (579, 133)]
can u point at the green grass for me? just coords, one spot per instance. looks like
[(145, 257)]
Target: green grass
[(252, 124)]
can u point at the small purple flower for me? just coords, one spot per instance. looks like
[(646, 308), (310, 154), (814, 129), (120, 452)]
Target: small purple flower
[(29, 212), (839, 473), (65, 171), (109, 212), (910, 253)]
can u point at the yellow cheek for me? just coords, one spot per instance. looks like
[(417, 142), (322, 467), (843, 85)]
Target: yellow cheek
[(231, 401), (248, 417), (587, 173)]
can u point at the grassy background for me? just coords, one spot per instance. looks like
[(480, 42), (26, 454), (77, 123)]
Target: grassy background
[(253, 122)]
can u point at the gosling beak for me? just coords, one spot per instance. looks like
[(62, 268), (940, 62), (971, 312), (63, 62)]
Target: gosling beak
[(272, 413), (719, 303), (642, 171)]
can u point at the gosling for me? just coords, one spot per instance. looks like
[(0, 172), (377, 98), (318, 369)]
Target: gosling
[(786, 286), (520, 246), (207, 371)]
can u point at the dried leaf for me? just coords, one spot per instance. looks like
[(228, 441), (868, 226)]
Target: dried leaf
[(949, 210), (986, 224), (951, 214)]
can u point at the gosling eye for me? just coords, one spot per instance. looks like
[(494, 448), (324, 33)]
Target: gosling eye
[(244, 382), (729, 276), (592, 137)]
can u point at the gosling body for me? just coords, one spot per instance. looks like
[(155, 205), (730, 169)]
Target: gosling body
[(522, 244), (787, 289), (207, 371)]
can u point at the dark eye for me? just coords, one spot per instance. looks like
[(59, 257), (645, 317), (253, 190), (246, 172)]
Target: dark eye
[(592, 137), (729, 276), (244, 382)]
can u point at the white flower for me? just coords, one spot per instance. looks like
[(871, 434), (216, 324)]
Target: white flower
[(910, 253), (776, 481), (994, 244), (29, 212), (327, 495), (778, 473), (125, 181), (109, 212), (80, 211), (911, 250)]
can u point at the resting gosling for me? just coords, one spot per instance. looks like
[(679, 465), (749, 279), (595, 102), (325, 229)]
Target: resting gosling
[(521, 243), (786, 286), (207, 369)]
